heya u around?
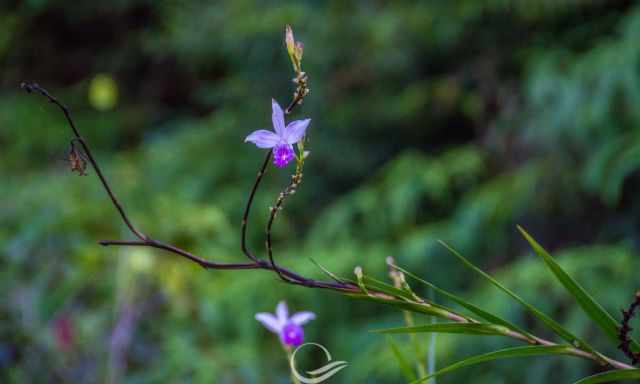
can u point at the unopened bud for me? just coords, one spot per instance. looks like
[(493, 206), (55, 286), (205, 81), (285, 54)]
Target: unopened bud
[(289, 41), (299, 50), (294, 49)]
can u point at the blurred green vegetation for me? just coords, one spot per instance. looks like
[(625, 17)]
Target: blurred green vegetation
[(431, 120)]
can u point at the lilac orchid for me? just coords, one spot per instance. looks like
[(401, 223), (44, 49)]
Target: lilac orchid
[(288, 328), (282, 138)]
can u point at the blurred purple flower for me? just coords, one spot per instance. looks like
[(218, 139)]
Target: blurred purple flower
[(282, 139), (288, 328)]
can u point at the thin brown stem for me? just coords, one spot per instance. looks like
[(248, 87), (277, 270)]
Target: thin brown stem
[(146, 241), (247, 209), (34, 87), (289, 189)]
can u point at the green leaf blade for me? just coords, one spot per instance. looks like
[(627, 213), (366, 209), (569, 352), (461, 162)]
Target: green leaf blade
[(538, 350), (548, 321), (465, 304), (592, 308), (610, 376), (405, 367), (457, 328)]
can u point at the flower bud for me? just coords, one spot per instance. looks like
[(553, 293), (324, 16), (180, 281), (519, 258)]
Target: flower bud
[(289, 41), (298, 50), (294, 49)]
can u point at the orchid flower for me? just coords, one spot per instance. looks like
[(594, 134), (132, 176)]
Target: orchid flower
[(288, 328), (282, 138)]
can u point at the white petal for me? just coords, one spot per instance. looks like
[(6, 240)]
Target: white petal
[(269, 321), (301, 318), (277, 118), (295, 130), (263, 138), (282, 313)]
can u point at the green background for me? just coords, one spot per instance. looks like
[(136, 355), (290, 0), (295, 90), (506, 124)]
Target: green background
[(451, 120)]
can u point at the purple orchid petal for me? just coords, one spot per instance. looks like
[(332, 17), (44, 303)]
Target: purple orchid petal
[(295, 130), (270, 322), (301, 318), (263, 139), (283, 154), (292, 334), (277, 117), (282, 313)]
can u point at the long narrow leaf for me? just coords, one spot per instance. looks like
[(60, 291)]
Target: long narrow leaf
[(407, 306), (594, 310), (608, 377), (405, 367), (552, 324), (385, 288), (469, 306), (536, 350), (461, 328), (381, 286)]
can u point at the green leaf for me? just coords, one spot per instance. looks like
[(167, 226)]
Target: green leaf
[(471, 307), (607, 377), (594, 310), (374, 284), (463, 328), (383, 287), (535, 350), (425, 308), (405, 367), (552, 324)]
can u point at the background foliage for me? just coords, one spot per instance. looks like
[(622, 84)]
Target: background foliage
[(432, 120)]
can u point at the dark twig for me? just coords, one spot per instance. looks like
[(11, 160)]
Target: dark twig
[(302, 89), (625, 329), (289, 189), (34, 87), (247, 209), (147, 241)]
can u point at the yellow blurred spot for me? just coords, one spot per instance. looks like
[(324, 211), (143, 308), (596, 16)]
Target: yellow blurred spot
[(103, 92), (140, 260)]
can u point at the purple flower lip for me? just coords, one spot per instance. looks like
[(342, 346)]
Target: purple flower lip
[(289, 329), (282, 137), (282, 155)]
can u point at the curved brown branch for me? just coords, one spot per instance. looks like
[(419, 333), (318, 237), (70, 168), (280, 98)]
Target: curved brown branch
[(146, 241), (34, 87), (247, 209)]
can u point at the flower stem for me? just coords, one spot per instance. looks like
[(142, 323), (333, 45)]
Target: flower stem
[(287, 350)]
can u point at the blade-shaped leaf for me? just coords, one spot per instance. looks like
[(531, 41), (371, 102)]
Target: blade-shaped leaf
[(381, 286), (405, 305), (405, 367), (594, 310), (464, 328), (549, 322), (610, 376), (536, 350), (385, 288), (471, 307)]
